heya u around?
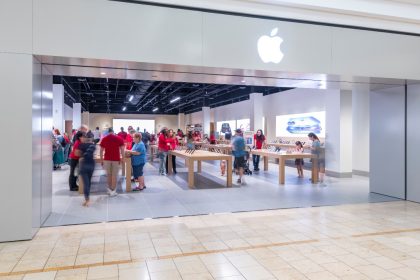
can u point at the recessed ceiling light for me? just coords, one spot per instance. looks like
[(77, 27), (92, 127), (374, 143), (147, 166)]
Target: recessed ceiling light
[(243, 81), (103, 73), (155, 109), (175, 99), (124, 108), (131, 98)]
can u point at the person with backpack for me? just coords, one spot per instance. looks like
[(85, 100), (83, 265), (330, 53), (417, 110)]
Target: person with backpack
[(238, 151), (86, 152)]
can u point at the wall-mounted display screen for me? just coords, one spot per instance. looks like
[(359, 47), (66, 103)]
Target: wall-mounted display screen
[(299, 125), (244, 124), (149, 125), (225, 126)]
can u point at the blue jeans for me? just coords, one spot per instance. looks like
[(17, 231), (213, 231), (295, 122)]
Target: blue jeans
[(162, 164), (86, 172), (256, 161)]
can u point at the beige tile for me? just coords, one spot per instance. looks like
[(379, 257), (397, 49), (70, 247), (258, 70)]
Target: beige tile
[(215, 245), (14, 277), (91, 249), (168, 250), (243, 261), (29, 265), (64, 251), (339, 269), (288, 274), (72, 274), (100, 272), (386, 263), (261, 253), (374, 272), (144, 253), (306, 266), (117, 256), (352, 260), (237, 277), (236, 243), (414, 263), (324, 275), (140, 273), (355, 277), (222, 270), (199, 276), (7, 266), (406, 273), (60, 262), (89, 259), (192, 248), (210, 259), (256, 273), (40, 276), (165, 275), (274, 263), (160, 265), (191, 267)]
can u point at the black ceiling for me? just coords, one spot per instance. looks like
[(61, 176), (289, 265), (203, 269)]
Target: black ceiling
[(103, 95)]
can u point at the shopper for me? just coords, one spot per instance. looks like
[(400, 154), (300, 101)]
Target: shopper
[(145, 138), (113, 146), (163, 151), (74, 162), (122, 134), (129, 139), (138, 160), (228, 135), (319, 153), (66, 147), (212, 138), (299, 161), (86, 152), (190, 140), (172, 143), (58, 149), (96, 135), (83, 129), (238, 151), (259, 141)]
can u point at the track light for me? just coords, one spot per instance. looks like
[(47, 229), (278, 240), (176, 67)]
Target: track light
[(124, 108), (131, 98), (155, 109), (175, 99)]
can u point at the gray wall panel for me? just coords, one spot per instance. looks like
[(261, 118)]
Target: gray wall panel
[(47, 122), (387, 142), (36, 145), (413, 143)]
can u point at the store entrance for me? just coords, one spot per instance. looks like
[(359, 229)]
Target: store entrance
[(282, 166)]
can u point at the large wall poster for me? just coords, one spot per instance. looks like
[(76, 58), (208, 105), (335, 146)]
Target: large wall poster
[(299, 125), (225, 126)]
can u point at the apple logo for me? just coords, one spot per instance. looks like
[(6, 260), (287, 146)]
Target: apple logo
[(269, 47)]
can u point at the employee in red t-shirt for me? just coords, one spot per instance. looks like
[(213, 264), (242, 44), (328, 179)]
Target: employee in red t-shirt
[(259, 140), (171, 142), (73, 162), (163, 150), (122, 134), (113, 146)]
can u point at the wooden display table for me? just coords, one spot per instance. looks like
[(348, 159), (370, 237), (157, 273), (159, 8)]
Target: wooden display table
[(125, 171), (199, 156), (153, 151), (218, 148), (283, 145), (282, 158)]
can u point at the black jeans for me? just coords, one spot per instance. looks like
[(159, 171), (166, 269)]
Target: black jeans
[(173, 163), (73, 179), (86, 172), (256, 161)]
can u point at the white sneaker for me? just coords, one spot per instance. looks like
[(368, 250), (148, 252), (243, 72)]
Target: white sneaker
[(114, 193)]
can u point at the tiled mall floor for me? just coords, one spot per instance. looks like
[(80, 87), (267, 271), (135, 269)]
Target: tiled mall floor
[(170, 196), (359, 241)]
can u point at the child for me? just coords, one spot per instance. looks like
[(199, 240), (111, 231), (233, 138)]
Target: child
[(222, 167), (299, 161)]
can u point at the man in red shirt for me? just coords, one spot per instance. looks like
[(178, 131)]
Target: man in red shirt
[(114, 153), (122, 134)]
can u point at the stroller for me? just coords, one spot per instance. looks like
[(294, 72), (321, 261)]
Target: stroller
[(247, 170)]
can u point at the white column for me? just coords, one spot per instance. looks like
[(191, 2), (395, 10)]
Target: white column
[(361, 120), (77, 115), (256, 111), (58, 106), (338, 141), (181, 121), (206, 120)]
